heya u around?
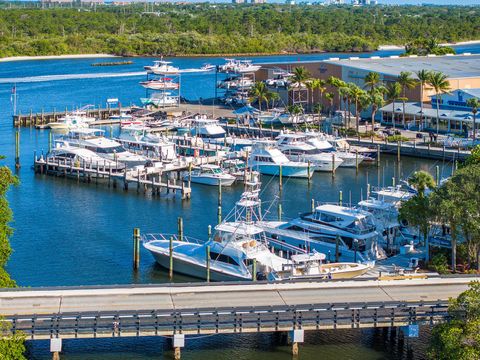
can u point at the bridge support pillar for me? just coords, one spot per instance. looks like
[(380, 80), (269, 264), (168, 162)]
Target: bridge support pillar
[(178, 344), (297, 337), (55, 348)]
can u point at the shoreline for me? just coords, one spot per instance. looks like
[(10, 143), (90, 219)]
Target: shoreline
[(57, 57), (401, 47)]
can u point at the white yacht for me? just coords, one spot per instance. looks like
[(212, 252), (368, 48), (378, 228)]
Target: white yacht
[(267, 159), (94, 140), (162, 84), (393, 194), (210, 131), (239, 66), (161, 67), (342, 145), (161, 99), (81, 156), (141, 139), (73, 120), (329, 226), (294, 146), (233, 250), (210, 175)]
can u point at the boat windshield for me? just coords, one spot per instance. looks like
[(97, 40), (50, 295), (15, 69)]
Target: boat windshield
[(110, 150), (362, 225)]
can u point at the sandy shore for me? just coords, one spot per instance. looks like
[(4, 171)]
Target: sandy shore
[(55, 57), (399, 47)]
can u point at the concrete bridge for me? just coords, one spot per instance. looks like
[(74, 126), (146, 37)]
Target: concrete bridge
[(178, 310)]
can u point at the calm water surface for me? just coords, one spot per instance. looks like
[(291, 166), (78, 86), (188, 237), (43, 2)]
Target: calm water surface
[(69, 233)]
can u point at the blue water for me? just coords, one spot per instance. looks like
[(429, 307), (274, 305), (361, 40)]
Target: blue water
[(69, 233)]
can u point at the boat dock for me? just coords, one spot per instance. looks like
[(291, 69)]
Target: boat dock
[(167, 177), (44, 118), (180, 310)]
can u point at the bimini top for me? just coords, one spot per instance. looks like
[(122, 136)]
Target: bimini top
[(304, 258)]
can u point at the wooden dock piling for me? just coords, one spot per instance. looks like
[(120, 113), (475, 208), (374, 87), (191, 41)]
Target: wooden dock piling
[(170, 268), (207, 260), (17, 150), (136, 248)]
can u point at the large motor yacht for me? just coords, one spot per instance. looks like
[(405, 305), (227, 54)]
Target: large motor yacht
[(94, 140), (267, 159), (73, 120), (330, 227), (294, 146)]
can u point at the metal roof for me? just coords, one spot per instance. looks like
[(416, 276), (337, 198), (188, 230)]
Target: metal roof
[(454, 66), (472, 92), (412, 108)]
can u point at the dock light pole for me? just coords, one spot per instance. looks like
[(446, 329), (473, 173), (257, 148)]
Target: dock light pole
[(340, 197), (180, 228), (279, 212), (207, 260), (437, 175), (136, 248), (280, 180), (170, 268), (337, 246)]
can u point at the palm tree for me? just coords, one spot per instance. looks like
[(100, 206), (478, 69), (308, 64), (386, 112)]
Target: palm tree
[(300, 76), (330, 97), (474, 104), (321, 89), (356, 93), (439, 82), (423, 77), (377, 101), (392, 93), (406, 82), (272, 96), (344, 92), (372, 81), (312, 85), (259, 92), (337, 84), (421, 181)]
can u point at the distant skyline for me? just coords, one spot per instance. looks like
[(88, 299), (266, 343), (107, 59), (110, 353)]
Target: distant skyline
[(436, 2)]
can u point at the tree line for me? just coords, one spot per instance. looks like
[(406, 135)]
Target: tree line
[(170, 29)]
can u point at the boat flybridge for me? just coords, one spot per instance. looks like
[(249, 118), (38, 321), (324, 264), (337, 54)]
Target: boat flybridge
[(295, 147), (141, 139), (237, 248), (353, 231), (210, 131), (267, 159), (161, 99), (393, 194), (94, 140)]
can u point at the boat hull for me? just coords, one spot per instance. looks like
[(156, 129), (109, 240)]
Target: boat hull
[(287, 170), (194, 270), (213, 181)]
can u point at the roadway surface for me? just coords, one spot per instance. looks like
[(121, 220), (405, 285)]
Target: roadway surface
[(189, 296)]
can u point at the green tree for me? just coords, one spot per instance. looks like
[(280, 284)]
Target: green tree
[(421, 181), (423, 78), (356, 94), (259, 93), (392, 93), (377, 101), (372, 81), (440, 84), (474, 104), (459, 338), (406, 82), (330, 98)]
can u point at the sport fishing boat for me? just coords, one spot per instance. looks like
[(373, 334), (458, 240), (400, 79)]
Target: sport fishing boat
[(330, 227), (141, 139), (162, 84), (94, 140), (294, 146), (161, 99), (210, 175), (161, 67), (239, 66), (312, 265), (393, 194), (73, 120), (267, 159), (237, 251)]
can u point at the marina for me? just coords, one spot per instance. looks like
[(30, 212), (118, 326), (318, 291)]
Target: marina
[(171, 158)]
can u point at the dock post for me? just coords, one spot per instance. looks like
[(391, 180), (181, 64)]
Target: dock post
[(209, 231), (254, 270), (308, 172), (207, 261), (437, 175), (356, 160), (136, 248), (178, 343), (189, 175), (280, 173), (279, 212), (399, 145), (340, 197), (180, 228), (55, 348), (297, 337), (333, 164), (138, 180), (368, 191), (17, 150), (50, 135), (313, 205), (378, 155), (393, 181), (337, 245), (170, 249), (219, 214), (125, 182)]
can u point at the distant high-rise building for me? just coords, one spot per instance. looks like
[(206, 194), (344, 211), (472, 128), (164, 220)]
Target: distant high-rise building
[(259, 1), (238, 1)]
